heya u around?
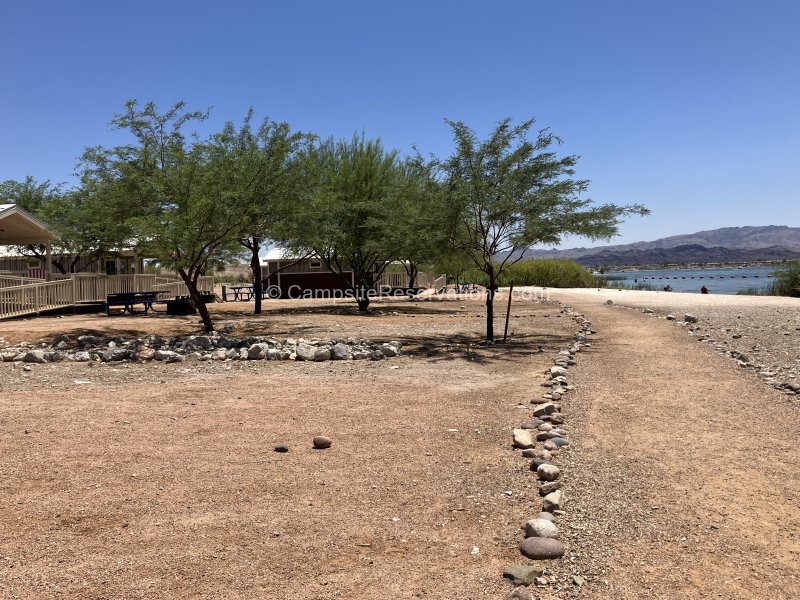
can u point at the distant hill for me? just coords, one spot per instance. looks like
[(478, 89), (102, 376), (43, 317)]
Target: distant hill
[(729, 244)]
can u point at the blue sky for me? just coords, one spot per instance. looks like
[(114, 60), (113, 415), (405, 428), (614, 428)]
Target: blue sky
[(690, 107)]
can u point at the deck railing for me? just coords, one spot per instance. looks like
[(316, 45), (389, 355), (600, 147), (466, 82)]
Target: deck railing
[(32, 296)]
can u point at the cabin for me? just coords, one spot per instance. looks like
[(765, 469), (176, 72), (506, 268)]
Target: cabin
[(20, 228), (286, 275)]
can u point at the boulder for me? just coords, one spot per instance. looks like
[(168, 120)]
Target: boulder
[(257, 351), (322, 354)]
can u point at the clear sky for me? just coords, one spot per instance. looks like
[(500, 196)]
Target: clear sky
[(691, 107)]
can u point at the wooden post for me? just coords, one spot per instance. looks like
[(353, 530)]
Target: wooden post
[(49, 259), (508, 312)]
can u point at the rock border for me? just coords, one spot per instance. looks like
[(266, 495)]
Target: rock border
[(541, 535)]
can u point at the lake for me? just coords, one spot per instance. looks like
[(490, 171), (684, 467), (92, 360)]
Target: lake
[(718, 281)]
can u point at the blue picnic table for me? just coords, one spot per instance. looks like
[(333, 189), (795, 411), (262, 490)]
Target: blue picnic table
[(126, 301)]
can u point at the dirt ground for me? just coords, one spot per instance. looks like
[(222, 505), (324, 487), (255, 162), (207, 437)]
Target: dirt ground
[(160, 480), (683, 478)]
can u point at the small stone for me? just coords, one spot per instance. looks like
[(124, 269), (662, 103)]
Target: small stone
[(549, 487), (648, 311), (522, 574), (541, 548), (671, 318), (552, 501), (281, 448), (557, 372), (35, 356), (520, 593), (548, 472), (322, 354), (559, 441), (541, 528), (321, 442), (537, 453), (544, 409), (578, 580), (547, 516), (690, 318), (550, 446), (306, 352), (522, 438)]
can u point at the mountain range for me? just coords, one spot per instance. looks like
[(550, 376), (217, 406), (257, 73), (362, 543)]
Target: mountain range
[(729, 244)]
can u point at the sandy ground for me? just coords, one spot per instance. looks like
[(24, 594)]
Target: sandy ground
[(159, 481), (156, 481), (683, 476)]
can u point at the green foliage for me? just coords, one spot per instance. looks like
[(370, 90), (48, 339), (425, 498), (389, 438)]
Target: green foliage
[(183, 207), (511, 193), (551, 272), (358, 197), (787, 279)]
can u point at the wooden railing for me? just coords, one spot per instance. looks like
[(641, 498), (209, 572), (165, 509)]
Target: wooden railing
[(32, 296), (15, 280)]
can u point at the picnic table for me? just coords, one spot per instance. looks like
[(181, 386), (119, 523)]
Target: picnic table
[(126, 301), (242, 293)]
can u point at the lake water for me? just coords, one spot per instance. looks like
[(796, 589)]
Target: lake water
[(718, 281)]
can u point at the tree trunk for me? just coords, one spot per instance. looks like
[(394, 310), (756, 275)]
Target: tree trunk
[(362, 298), (490, 292), (255, 265), (198, 302), (412, 275)]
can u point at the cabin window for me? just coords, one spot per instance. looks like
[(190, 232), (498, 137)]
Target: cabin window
[(315, 264), (111, 267)]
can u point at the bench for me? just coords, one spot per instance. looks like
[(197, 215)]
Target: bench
[(126, 301)]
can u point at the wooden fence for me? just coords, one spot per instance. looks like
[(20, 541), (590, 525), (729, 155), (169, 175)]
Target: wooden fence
[(23, 296)]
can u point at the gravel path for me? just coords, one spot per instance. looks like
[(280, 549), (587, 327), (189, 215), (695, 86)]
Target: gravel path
[(682, 476)]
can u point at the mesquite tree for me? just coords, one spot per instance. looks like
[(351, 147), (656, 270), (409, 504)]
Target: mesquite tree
[(512, 193), (183, 210)]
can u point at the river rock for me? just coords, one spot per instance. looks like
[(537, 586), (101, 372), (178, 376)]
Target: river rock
[(281, 448), (537, 453), (522, 438), (548, 472), (559, 441), (541, 548), (321, 442), (557, 372), (547, 516), (541, 528)]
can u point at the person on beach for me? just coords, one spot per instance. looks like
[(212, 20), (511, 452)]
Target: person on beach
[(704, 290)]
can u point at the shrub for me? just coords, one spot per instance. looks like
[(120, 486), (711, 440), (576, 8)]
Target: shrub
[(787, 279), (558, 273)]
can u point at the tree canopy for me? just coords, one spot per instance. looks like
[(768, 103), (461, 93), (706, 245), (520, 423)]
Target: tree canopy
[(510, 192)]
